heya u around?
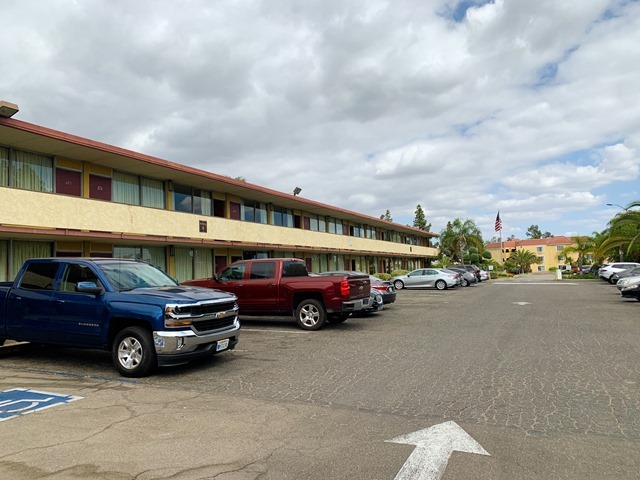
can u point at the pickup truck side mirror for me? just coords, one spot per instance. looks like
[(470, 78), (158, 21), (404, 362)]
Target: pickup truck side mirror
[(89, 287)]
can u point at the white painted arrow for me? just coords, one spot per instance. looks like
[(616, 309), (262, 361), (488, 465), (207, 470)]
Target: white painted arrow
[(434, 446)]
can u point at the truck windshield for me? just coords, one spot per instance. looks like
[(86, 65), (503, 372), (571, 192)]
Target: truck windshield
[(128, 275)]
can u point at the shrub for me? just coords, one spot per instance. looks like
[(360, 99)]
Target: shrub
[(383, 276), (395, 273)]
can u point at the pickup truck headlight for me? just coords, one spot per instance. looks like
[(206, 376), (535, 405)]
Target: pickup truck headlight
[(172, 317)]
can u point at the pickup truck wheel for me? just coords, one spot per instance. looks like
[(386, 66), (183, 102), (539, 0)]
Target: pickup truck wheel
[(310, 315), (133, 352)]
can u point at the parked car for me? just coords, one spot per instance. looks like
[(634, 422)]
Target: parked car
[(128, 307), (427, 278), (384, 288), (609, 269), (629, 272), (466, 278), (377, 293), (484, 275), (469, 268), (629, 287), (282, 286)]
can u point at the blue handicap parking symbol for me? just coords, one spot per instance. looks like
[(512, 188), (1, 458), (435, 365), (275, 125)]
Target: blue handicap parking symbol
[(19, 401)]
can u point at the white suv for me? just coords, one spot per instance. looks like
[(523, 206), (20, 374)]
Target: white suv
[(609, 269)]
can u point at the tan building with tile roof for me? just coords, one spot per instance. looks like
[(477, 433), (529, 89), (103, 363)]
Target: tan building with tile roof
[(548, 251)]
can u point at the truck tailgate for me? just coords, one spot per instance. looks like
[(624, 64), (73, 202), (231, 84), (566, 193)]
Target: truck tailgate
[(360, 286)]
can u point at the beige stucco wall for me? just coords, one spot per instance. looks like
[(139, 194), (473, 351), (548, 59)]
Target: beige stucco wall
[(549, 252), (45, 210)]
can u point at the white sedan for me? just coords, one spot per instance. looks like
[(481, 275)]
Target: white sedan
[(427, 278)]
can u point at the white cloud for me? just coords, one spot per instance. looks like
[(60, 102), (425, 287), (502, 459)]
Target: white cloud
[(530, 107)]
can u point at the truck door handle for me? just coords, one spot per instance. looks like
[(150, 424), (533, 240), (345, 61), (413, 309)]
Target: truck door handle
[(60, 301), (271, 284)]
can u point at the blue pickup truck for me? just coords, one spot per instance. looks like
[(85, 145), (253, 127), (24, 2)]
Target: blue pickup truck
[(135, 310)]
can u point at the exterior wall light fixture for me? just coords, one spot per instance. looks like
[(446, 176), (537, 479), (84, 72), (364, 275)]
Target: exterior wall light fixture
[(8, 109)]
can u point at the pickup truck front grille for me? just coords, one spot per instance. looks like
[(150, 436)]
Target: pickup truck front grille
[(204, 309), (214, 324)]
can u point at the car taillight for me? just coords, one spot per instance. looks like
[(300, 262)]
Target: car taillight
[(345, 288)]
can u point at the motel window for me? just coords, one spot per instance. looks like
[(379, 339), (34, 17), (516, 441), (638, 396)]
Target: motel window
[(126, 188), (193, 263), (22, 251), (540, 259), (4, 166), (539, 249), (282, 217), (135, 190), (31, 171), (191, 200), (153, 255), (254, 211), (317, 223), (152, 192)]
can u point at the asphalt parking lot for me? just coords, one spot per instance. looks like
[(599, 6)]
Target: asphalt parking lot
[(525, 378)]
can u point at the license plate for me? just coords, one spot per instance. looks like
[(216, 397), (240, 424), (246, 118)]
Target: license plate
[(222, 345)]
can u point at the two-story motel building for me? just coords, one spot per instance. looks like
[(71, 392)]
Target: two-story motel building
[(62, 195)]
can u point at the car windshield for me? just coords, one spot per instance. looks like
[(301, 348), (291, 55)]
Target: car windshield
[(129, 275)]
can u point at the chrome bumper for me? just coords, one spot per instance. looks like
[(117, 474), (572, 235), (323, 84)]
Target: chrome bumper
[(185, 342)]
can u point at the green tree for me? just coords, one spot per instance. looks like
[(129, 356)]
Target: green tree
[(420, 221), (457, 237), (534, 232), (624, 232), (386, 216), (600, 250), (581, 246), (523, 259)]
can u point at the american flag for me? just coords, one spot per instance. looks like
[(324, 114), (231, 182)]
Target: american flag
[(498, 222)]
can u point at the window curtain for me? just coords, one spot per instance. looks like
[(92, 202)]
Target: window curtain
[(261, 213), (4, 166), (202, 202), (184, 264), (152, 193), (125, 252), (125, 188), (4, 261), (153, 255), (33, 172), (25, 250), (203, 263)]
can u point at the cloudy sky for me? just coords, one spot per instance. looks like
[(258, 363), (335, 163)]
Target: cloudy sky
[(465, 107)]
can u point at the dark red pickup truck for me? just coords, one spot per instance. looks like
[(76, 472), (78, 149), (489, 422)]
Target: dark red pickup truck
[(282, 286)]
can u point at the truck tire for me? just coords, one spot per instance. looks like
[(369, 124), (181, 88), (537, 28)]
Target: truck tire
[(133, 352), (310, 314)]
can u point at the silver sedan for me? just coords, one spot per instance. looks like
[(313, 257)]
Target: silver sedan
[(427, 278)]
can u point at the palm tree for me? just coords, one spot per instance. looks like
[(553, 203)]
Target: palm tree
[(459, 235), (581, 246), (523, 259), (624, 231), (600, 253)]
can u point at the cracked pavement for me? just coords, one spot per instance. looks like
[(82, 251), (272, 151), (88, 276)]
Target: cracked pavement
[(544, 375)]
